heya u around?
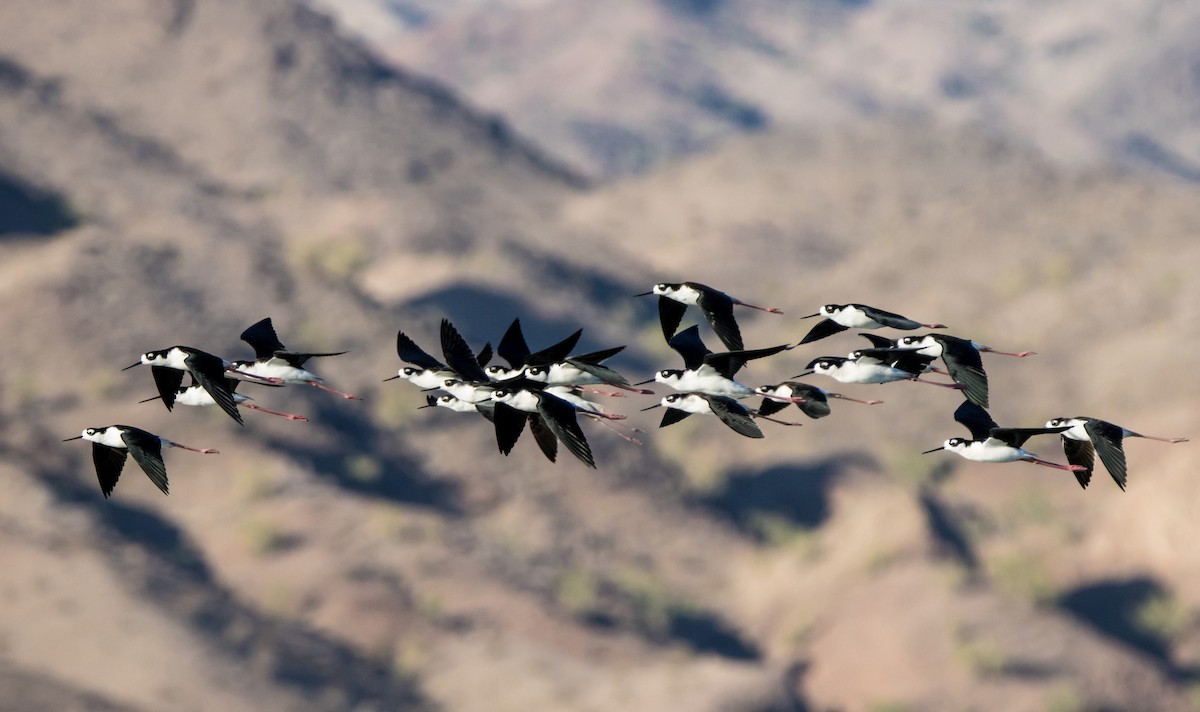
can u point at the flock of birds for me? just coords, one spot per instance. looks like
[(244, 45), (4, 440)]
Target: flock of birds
[(547, 389)]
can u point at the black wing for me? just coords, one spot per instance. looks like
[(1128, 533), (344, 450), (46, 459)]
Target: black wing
[(510, 423), (730, 362), (108, 461), (734, 415), (459, 357), (670, 313), (543, 436), (409, 352), (911, 361), (167, 380), (880, 342), (298, 359), (1107, 438), (262, 339), (888, 318), (771, 407), (1080, 452), (966, 368), (146, 448), (718, 309), (815, 405), (513, 348), (1016, 437), (555, 353), (824, 328), (560, 418), (976, 419), (209, 372), (672, 416), (485, 355), (595, 358), (690, 346)]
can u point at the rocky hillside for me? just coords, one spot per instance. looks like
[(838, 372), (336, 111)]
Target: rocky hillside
[(617, 88), (173, 174)]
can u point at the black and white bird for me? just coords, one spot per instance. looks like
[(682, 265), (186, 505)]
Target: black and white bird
[(426, 371), (1085, 437), (708, 372), (815, 403), (168, 366), (991, 443), (875, 366), (545, 412), (273, 360), (674, 299), (515, 350), (112, 444), (584, 371), (961, 357), (738, 417), (839, 317), (195, 395)]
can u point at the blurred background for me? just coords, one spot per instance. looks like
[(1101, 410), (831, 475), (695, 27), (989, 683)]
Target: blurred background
[(171, 172)]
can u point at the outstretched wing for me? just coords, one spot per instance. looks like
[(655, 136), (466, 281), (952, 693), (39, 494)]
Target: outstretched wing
[(554, 353), (559, 416), (879, 342), (690, 346), (771, 407), (209, 372), (976, 419), (146, 448), (888, 318), (966, 368), (459, 357), (672, 416), (1080, 452), (543, 436), (509, 423), (109, 461), (670, 313), (734, 415), (262, 339), (718, 309), (1107, 438), (513, 348), (824, 328), (167, 381), (730, 362), (409, 352)]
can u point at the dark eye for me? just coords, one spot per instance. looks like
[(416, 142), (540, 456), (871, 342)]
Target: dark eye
[(91, 431)]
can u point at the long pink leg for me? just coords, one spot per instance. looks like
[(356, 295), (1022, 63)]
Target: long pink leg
[(251, 376), (289, 416), (203, 451), (1161, 440), (1018, 354), (324, 387), (934, 326), (598, 391), (597, 417), (1055, 465), (955, 386), (775, 420), (856, 400), (643, 391), (784, 399)]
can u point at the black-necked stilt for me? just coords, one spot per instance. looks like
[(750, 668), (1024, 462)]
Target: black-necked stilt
[(962, 360), (583, 370), (112, 444), (875, 366), (168, 365), (673, 301), (736, 416), (815, 402), (515, 405), (839, 317), (708, 372), (515, 351), (195, 395), (429, 373), (271, 360), (991, 443), (1084, 437)]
